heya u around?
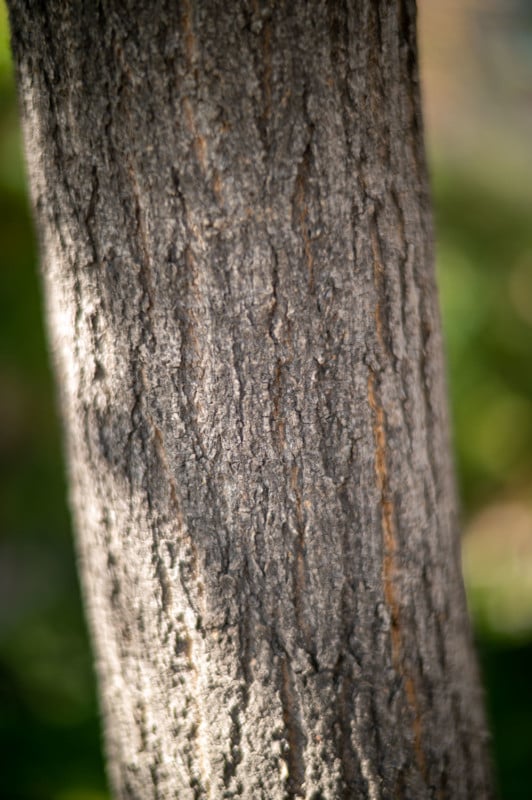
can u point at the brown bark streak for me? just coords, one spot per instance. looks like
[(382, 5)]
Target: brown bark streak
[(389, 569)]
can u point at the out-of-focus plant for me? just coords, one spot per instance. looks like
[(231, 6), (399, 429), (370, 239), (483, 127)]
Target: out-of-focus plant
[(485, 276)]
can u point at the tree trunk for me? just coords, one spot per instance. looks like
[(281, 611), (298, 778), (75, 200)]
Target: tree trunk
[(236, 244)]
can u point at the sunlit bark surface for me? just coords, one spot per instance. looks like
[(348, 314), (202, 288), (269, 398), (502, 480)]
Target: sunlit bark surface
[(236, 247)]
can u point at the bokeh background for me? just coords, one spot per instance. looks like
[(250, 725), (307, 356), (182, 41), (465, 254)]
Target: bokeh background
[(476, 58)]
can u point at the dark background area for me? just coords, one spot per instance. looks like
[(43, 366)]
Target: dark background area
[(477, 78)]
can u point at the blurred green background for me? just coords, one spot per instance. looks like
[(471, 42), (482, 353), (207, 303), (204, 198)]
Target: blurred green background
[(477, 78)]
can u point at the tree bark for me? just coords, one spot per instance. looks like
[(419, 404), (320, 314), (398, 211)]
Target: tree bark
[(236, 246)]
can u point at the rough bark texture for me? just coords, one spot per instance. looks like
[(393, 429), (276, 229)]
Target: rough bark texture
[(236, 244)]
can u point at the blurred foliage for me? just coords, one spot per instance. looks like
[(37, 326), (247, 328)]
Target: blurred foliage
[(485, 279), (49, 728), (485, 276)]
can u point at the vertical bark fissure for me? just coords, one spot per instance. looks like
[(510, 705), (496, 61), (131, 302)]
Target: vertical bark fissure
[(389, 570), (295, 738)]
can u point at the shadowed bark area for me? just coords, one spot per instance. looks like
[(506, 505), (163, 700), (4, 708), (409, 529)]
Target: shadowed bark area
[(236, 248)]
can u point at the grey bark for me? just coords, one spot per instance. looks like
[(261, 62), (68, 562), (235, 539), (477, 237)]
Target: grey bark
[(236, 247)]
